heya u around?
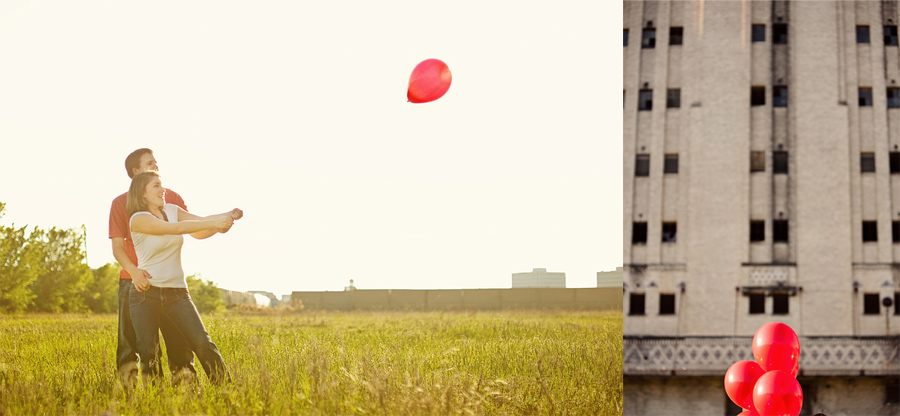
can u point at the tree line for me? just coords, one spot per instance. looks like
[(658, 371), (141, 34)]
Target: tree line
[(46, 271)]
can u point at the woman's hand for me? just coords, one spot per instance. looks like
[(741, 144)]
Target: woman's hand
[(223, 223), (237, 214)]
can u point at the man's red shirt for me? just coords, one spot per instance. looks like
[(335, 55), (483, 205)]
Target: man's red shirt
[(118, 224)]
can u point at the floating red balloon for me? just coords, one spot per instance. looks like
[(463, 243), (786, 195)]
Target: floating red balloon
[(739, 382), (777, 394), (776, 347), (429, 81)]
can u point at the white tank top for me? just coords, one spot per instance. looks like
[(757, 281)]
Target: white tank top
[(160, 255)]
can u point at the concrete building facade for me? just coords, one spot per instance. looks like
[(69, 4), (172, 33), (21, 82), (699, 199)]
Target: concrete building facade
[(610, 279), (539, 278), (761, 183)]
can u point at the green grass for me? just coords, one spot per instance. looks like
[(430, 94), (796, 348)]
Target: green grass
[(426, 363)]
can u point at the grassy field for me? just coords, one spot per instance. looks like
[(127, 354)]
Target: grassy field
[(426, 363)]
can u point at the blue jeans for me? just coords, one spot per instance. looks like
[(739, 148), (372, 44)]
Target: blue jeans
[(150, 308), (177, 348)]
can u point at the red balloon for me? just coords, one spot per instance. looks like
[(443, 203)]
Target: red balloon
[(777, 394), (429, 81), (748, 412), (776, 347), (739, 381)]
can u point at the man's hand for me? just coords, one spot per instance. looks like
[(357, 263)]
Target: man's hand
[(140, 279), (224, 223)]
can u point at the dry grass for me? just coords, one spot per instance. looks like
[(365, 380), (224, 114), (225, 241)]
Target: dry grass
[(427, 363)]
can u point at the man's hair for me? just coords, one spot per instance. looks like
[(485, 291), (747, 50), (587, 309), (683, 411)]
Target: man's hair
[(135, 201), (134, 160)]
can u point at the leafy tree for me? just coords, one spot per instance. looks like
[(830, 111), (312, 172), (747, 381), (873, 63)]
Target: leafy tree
[(65, 276), (19, 268), (101, 295), (206, 295)]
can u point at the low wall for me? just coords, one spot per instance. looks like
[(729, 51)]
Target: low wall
[(463, 299)]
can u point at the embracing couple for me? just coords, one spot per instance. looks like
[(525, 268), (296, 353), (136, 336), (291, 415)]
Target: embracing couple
[(146, 226)]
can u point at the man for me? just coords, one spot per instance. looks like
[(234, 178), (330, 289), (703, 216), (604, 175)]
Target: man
[(181, 358)]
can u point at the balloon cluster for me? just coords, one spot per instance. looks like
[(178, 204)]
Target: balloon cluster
[(768, 386)]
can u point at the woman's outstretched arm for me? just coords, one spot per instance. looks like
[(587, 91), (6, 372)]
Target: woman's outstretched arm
[(230, 216), (149, 224)]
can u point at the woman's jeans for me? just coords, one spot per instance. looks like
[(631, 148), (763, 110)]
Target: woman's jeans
[(177, 348), (149, 308)]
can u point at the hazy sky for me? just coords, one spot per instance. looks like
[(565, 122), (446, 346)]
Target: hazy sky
[(296, 112)]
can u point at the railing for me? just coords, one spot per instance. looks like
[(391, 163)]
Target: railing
[(712, 356)]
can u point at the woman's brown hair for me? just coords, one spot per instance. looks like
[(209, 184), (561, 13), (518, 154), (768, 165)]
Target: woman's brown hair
[(135, 201)]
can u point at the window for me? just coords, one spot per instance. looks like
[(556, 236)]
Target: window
[(639, 233), (669, 232), (645, 100), (780, 303), (671, 164), (673, 98), (759, 33), (870, 304), (779, 33), (649, 39), (780, 162), (757, 161), (865, 97), (780, 231), (895, 162), (625, 33), (636, 304), (892, 391), (870, 231), (675, 35), (757, 95), (642, 165), (666, 304), (862, 34), (779, 96), (890, 35), (757, 303), (895, 231), (893, 97), (757, 231), (867, 162), (896, 303)]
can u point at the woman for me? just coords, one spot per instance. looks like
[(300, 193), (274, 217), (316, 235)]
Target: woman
[(157, 230)]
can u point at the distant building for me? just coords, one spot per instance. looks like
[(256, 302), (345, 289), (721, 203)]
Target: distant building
[(611, 279), (539, 278), (264, 298), (351, 287)]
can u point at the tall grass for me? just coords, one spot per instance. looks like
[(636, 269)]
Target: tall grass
[(426, 363)]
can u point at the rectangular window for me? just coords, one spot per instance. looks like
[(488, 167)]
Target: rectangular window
[(780, 231), (870, 231), (673, 98), (780, 162), (867, 162), (870, 304), (645, 100), (895, 231), (890, 35), (642, 165), (671, 164), (625, 33), (636, 304), (757, 95), (862, 34), (896, 303), (893, 97), (757, 303), (865, 97), (892, 391), (779, 96), (669, 232), (779, 33), (757, 230), (666, 304), (895, 162), (757, 161), (780, 303), (649, 39), (639, 233), (759, 33), (675, 35)]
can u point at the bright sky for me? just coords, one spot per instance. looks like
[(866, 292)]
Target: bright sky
[(296, 113)]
